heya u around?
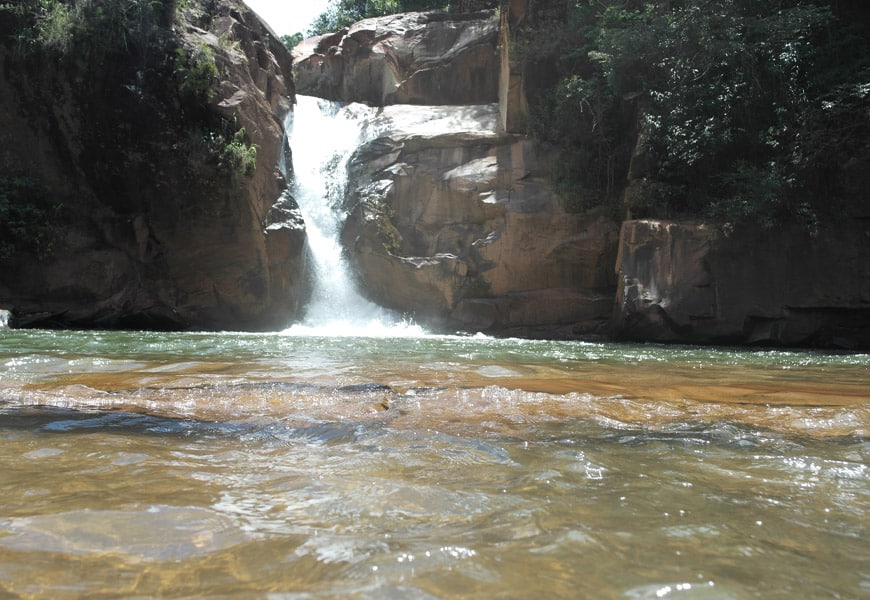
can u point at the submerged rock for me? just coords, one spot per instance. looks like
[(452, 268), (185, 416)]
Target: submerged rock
[(155, 164)]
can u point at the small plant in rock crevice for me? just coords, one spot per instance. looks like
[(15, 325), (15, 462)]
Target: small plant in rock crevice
[(26, 225), (196, 73)]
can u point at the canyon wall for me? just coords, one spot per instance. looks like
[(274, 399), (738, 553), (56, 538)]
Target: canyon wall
[(454, 217), (410, 58), (457, 224)]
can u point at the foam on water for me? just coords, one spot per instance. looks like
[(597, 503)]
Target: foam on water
[(374, 328)]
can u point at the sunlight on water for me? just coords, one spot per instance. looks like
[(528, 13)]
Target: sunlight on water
[(136, 464)]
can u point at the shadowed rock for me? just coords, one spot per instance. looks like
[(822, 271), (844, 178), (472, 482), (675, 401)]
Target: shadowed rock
[(154, 222), (698, 283)]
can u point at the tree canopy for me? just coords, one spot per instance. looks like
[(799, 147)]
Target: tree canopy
[(731, 109), (342, 13)]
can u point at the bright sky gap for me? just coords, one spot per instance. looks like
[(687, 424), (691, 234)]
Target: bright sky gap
[(288, 16)]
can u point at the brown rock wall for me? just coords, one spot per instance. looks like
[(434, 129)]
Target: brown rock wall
[(462, 229), (149, 228), (410, 58), (690, 282)]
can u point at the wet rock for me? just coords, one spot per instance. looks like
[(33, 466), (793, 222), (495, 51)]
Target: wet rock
[(362, 388)]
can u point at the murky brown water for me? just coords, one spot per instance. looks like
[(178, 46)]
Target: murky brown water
[(271, 466)]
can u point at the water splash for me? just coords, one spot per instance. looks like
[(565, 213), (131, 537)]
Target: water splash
[(322, 136)]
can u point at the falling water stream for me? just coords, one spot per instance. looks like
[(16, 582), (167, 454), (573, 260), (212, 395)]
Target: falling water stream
[(307, 464), (322, 136)]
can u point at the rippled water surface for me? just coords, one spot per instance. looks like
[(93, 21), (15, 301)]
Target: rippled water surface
[(298, 466)]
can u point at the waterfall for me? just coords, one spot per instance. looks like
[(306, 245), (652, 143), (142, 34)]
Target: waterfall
[(322, 136)]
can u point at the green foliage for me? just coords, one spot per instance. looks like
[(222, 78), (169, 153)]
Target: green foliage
[(24, 222), (737, 107), (228, 150), (343, 13), (56, 24), (89, 26), (291, 41), (238, 156), (196, 73), (754, 193)]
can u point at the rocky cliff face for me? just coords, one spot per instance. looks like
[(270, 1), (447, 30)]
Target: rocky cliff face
[(452, 220), (694, 283), (157, 169), (411, 58), (456, 223)]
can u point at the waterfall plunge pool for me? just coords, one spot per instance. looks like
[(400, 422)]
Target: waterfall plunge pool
[(301, 466)]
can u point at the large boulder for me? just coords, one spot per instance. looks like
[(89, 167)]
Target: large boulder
[(156, 168), (409, 58), (458, 225), (699, 283)]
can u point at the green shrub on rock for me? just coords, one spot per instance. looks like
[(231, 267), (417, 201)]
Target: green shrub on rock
[(25, 223)]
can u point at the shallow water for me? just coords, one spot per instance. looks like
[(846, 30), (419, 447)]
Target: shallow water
[(298, 466)]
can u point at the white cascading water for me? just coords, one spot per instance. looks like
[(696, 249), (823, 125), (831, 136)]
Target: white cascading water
[(322, 137)]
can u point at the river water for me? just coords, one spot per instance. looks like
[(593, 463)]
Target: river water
[(412, 466)]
